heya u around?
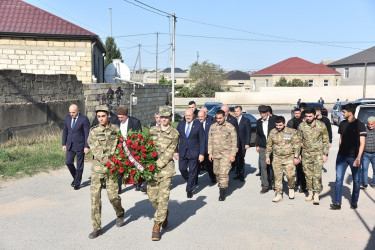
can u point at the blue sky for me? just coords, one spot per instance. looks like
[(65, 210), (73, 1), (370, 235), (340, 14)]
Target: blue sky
[(259, 33)]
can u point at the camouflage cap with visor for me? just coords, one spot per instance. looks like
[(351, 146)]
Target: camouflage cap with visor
[(165, 110)]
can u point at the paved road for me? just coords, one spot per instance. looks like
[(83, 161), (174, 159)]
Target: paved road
[(44, 212)]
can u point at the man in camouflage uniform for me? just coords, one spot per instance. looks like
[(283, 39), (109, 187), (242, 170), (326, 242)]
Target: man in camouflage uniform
[(222, 147), (165, 138), (103, 141), (315, 146), (284, 143)]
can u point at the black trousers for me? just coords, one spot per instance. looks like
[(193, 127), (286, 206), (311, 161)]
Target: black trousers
[(240, 158), (189, 171), (301, 179), (75, 172)]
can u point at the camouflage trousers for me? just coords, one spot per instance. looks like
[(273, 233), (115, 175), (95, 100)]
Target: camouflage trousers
[(158, 190), (281, 165), (221, 170), (96, 203), (312, 166)]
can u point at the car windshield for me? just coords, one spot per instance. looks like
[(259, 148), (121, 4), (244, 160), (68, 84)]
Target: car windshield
[(213, 111), (210, 105), (365, 112)]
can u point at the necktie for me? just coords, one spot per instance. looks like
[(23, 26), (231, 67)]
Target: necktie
[(74, 123), (188, 130)]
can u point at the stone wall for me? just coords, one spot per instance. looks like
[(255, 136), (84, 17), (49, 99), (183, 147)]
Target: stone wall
[(32, 103), (149, 98), (47, 56)]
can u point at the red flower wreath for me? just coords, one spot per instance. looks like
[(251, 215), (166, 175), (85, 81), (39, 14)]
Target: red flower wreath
[(135, 158)]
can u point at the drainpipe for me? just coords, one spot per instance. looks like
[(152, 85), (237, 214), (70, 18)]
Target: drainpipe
[(92, 59)]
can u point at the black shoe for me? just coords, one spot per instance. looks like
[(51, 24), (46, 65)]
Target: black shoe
[(264, 190), (353, 205), (335, 206), (237, 177), (95, 234), (222, 194), (77, 187), (213, 181), (144, 189), (364, 187), (138, 187), (189, 194), (242, 179), (258, 174), (72, 184)]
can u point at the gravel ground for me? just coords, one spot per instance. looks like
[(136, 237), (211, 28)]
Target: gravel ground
[(44, 212)]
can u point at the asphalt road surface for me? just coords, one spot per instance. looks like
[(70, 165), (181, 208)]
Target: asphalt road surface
[(44, 212)]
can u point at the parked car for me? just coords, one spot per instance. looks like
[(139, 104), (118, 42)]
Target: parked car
[(364, 111), (365, 101), (253, 123), (210, 105), (336, 113), (212, 112), (312, 105)]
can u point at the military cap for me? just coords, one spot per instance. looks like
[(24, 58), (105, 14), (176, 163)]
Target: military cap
[(263, 108), (102, 108), (165, 110)]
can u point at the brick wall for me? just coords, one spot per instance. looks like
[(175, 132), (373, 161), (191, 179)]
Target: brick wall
[(47, 56), (149, 98)]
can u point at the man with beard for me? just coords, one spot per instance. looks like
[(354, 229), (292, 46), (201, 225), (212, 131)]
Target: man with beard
[(315, 147)]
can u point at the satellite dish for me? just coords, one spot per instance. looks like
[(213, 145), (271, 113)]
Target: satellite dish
[(116, 69)]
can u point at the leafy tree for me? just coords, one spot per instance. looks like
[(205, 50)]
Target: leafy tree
[(162, 80), (294, 83), (112, 51), (207, 78)]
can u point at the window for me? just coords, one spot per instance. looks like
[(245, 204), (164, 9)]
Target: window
[(337, 82), (254, 84), (325, 82), (241, 83), (311, 83), (266, 83), (346, 74)]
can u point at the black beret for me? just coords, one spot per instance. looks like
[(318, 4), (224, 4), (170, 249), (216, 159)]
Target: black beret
[(263, 108)]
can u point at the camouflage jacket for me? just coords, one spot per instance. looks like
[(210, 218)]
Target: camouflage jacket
[(314, 137), (283, 143), (222, 140), (166, 143), (103, 142)]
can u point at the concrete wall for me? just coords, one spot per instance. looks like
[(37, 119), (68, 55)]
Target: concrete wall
[(30, 104), (49, 56), (149, 98), (357, 74), (290, 95)]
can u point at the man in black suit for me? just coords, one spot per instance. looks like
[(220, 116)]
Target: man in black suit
[(74, 143), (190, 149), (127, 123), (206, 123), (232, 120), (244, 128), (193, 107), (208, 117), (264, 125)]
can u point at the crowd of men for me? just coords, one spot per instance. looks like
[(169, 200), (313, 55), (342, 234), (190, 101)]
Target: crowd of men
[(297, 149)]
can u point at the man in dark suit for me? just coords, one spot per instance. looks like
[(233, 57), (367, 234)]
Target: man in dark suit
[(206, 123), (190, 149), (264, 125), (232, 120), (127, 123), (208, 117), (157, 120), (244, 128), (193, 107), (74, 143)]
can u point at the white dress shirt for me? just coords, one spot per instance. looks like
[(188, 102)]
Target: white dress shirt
[(265, 126), (124, 127)]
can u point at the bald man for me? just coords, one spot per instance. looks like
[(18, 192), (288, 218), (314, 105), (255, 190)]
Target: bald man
[(74, 143), (190, 149)]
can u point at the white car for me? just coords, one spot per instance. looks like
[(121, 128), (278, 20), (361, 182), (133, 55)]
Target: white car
[(364, 111)]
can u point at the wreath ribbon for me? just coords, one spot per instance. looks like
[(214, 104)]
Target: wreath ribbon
[(132, 159)]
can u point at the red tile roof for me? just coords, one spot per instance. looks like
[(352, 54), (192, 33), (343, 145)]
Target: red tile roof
[(296, 66), (17, 16)]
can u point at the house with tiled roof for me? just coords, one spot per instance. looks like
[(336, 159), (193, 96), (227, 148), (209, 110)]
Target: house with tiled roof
[(352, 68), (295, 68), (181, 76), (238, 80), (35, 41)]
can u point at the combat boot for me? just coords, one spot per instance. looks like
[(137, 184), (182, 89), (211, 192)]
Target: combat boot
[(316, 199), (95, 234), (165, 223), (291, 193), (277, 198), (120, 219), (222, 194), (156, 232), (310, 197)]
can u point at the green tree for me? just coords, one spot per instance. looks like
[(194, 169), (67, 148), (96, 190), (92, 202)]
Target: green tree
[(294, 83), (282, 82), (162, 80), (207, 78), (112, 51)]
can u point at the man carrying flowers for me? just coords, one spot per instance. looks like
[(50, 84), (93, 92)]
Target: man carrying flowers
[(103, 142), (165, 138)]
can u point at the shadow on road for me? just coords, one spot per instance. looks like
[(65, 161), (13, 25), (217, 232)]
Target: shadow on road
[(331, 192)]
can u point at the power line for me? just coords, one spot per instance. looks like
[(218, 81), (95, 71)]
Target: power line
[(155, 53), (145, 34), (153, 8), (145, 8)]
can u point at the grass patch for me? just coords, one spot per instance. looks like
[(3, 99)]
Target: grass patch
[(27, 157)]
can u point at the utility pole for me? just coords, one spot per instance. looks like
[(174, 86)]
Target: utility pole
[(110, 11), (197, 57), (157, 45), (172, 61), (364, 82), (140, 66)]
